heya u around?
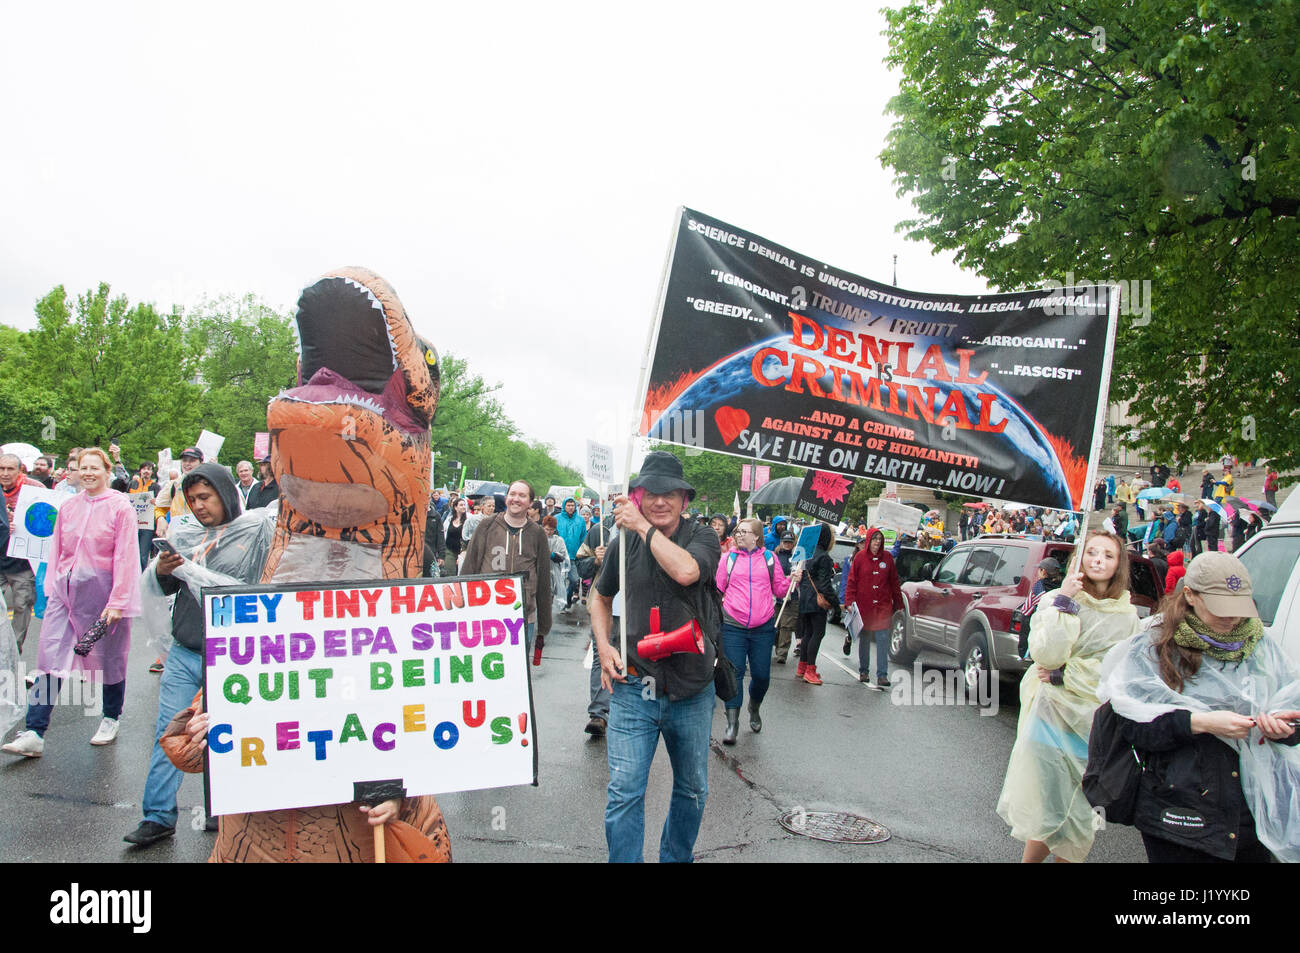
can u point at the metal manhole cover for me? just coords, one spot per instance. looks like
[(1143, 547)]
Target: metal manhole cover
[(838, 827)]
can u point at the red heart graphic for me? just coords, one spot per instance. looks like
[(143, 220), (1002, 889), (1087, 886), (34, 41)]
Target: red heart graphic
[(731, 421)]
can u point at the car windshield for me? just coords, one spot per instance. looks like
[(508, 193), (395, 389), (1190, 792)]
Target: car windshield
[(1270, 561)]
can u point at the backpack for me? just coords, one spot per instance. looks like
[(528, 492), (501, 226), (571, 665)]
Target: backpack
[(1114, 772), (767, 558)]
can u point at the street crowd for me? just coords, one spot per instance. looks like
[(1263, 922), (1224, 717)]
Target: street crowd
[(707, 601)]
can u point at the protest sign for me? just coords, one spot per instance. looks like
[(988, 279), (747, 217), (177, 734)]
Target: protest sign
[(897, 516), (312, 689), (823, 496), (165, 464), (807, 542), (600, 462), (143, 503), (261, 446), (765, 353), (33, 525), (210, 443)]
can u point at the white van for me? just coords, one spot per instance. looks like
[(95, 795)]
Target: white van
[(1272, 557)]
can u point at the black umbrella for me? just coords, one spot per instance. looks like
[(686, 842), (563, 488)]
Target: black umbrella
[(489, 489), (782, 491)]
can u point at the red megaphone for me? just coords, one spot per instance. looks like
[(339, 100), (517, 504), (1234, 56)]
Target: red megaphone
[(659, 645)]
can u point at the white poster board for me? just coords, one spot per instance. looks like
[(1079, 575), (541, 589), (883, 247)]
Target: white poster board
[(898, 516), (313, 689), (143, 503), (210, 443), (600, 462), (34, 515), (165, 465)]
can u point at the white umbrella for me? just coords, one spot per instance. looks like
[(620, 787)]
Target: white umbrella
[(23, 451)]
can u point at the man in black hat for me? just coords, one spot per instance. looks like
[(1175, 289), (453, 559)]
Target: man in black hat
[(671, 562), (785, 625), (267, 490)]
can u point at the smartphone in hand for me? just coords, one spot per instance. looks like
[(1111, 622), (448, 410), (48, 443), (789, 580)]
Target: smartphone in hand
[(161, 546)]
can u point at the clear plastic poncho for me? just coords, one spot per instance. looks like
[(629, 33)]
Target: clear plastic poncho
[(1268, 681), (232, 554), (13, 688), (1042, 798)]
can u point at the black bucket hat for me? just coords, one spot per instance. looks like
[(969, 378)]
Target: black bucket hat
[(661, 472)]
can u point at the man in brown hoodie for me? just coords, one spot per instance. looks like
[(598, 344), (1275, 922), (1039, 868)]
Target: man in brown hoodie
[(509, 543)]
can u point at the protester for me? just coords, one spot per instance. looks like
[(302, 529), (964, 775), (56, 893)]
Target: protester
[(773, 533), (1175, 572), (572, 530), (788, 618), (17, 580), (559, 558), (750, 579), (42, 471), (453, 529), (508, 543), (718, 523), (244, 474), (93, 575), (1041, 797), (873, 587), (70, 483), (593, 551), (222, 542), (1208, 700), (816, 596), (435, 544), (267, 488), (1159, 562), (670, 565), (1270, 485), (171, 504)]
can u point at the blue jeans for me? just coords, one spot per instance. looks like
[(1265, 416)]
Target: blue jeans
[(881, 637), (635, 724), (45, 692), (756, 644), (181, 678)]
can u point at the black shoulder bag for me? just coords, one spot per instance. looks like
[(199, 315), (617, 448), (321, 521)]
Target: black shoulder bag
[(1114, 772)]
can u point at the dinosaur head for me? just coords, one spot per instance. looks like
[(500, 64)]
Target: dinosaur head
[(350, 442)]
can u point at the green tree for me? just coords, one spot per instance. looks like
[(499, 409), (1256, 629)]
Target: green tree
[(1125, 141), (247, 353), (115, 372), (28, 407)]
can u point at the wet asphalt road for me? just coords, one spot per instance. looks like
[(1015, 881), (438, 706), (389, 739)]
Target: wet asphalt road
[(931, 774)]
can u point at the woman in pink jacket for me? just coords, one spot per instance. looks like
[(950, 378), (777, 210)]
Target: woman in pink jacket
[(93, 575), (750, 580)]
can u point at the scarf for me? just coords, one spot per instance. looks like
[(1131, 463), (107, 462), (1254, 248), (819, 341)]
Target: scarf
[(1235, 646)]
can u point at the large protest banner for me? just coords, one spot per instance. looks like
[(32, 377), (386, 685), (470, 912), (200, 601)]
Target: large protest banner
[(764, 353), (314, 688)]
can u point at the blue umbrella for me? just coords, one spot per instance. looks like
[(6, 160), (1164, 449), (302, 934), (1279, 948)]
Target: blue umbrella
[(1155, 493), (1212, 505)]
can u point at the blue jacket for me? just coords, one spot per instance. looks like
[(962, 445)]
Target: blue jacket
[(571, 529), (772, 535)]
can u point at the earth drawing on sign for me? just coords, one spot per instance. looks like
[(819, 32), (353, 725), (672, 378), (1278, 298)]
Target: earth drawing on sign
[(39, 520)]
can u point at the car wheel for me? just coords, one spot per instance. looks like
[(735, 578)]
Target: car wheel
[(899, 650), (976, 665)]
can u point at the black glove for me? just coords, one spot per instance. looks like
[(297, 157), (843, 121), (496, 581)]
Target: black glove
[(556, 558)]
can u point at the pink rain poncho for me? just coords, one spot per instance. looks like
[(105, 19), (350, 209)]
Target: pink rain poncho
[(93, 565)]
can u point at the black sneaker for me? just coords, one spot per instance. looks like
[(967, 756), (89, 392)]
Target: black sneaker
[(148, 833), (848, 644), (596, 727)]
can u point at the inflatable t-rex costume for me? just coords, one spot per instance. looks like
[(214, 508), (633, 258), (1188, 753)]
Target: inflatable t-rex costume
[(350, 450)]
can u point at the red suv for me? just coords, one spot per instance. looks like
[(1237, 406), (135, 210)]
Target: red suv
[(963, 608)]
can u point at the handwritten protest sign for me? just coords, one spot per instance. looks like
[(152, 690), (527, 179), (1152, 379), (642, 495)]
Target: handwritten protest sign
[(600, 462), (143, 503), (314, 688), (33, 525), (210, 443)]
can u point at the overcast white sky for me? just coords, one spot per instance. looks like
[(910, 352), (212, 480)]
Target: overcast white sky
[(511, 168)]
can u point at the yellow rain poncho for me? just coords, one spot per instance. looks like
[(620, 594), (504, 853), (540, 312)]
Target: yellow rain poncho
[(1041, 796)]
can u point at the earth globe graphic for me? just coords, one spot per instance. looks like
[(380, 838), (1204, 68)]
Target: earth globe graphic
[(39, 520)]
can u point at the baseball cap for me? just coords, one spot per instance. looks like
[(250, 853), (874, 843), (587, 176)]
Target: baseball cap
[(1051, 565), (788, 536), (1223, 582), (194, 452)]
